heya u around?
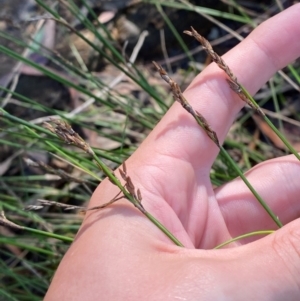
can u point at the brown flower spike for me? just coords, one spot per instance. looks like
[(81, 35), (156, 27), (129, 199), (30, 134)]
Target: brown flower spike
[(178, 96), (232, 81), (65, 132)]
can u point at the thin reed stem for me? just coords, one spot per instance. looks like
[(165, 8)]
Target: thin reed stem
[(7, 223), (237, 87), (65, 132), (264, 232), (257, 196), (68, 135), (178, 96), (110, 174), (271, 125), (48, 234)]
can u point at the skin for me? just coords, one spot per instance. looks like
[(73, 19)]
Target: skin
[(119, 255)]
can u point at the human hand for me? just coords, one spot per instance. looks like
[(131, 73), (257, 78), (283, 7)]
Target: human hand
[(119, 255)]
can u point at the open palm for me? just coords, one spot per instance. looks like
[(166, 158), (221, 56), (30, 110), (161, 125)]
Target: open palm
[(119, 255)]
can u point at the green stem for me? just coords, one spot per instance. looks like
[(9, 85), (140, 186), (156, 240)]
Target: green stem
[(103, 167), (57, 149), (286, 143), (163, 229), (30, 127), (132, 200), (265, 232), (240, 173), (48, 234), (268, 121), (175, 32), (142, 83), (294, 72), (258, 197), (26, 246)]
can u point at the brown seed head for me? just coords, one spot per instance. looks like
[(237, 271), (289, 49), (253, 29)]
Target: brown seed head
[(65, 132)]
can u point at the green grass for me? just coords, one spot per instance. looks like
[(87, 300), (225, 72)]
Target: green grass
[(29, 257)]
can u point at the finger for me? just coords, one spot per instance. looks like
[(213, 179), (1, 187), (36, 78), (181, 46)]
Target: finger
[(277, 181), (267, 49), (268, 269)]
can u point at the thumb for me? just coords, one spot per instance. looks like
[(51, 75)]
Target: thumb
[(266, 270), (269, 269)]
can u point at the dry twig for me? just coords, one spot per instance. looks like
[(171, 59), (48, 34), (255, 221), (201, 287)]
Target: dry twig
[(44, 203), (6, 223)]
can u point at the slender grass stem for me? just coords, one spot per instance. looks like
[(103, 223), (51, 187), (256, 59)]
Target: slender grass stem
[(281, 136), (57, 149), (257, 196), (32, 128), (240, 173), (175, 32), (26, 246), (204, 10), (163, 229), (106, 170), (48, 234), (5, 222), (137, 204), (264, 232), (295, 73), (271, 125), (141, 82), (202, 122)]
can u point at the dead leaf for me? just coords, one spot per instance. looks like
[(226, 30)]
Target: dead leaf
[(266, 130)]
